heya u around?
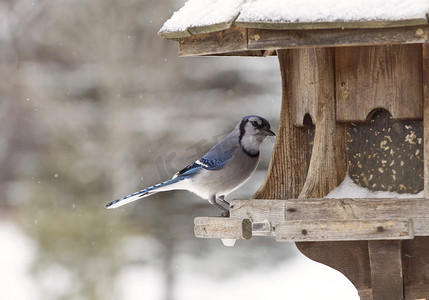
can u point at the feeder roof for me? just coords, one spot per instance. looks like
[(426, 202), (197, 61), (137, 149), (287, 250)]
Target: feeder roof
[(205, 16)]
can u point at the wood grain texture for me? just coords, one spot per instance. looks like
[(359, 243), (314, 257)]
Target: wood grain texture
[(344, 230), (365, 294), (415, 254), (425, 91), (288, 166), (314, 93), (333, 25), (259, 39), (230, 40), (315, 89), (386, 270), (415, 260), (222, 228), (210, 28), (259, 210), (174, 35), (306, 81), (351, 259), (276, 211), (286, 176), (387, 77)]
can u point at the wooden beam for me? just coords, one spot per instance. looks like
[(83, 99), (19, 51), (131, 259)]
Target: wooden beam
[(333, 25), (415, 254), (415, 260), (223, 228), (230, 40), (288, 165), (313, 91), (386, 270), (344, 230), (286, 39), (248, 53), (210, 28), (425, 85), (259, 210), (276, 211)]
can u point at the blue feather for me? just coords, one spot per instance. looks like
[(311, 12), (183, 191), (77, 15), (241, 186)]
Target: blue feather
[(189, 171), (213, 164), (145, 192)]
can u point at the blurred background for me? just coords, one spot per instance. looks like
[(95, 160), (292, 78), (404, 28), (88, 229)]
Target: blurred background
[(94, 106)]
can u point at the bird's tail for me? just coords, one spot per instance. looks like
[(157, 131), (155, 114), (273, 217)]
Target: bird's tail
[(160, 187)]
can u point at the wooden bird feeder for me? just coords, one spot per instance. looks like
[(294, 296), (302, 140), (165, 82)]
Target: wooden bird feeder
[(355, 100)]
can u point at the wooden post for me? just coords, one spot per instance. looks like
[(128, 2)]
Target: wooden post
[(415, 254), (386, 270), (288, 166), (325, 172), (327, 166), (425, 84)]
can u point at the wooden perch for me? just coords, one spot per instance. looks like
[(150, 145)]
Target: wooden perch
[(311, 210), (223, 228), (344, 230)]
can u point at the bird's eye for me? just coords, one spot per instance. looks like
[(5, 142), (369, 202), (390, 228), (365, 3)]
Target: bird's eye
[(254, 123)]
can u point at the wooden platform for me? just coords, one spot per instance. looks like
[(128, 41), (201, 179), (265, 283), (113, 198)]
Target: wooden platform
[(379, 237), (321, 219)]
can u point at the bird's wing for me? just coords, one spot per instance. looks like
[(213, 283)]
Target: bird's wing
[(215, 159)]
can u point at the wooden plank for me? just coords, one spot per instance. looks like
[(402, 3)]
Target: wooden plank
[(386, 270), (327, 166), (285, 39), (365, 294), (262, 228), (210, 28), (173, 35), (425, 91), (259, 210), (374, 77), (276, 211), (288, 166), (313, 91), (344, 230), (304, 83), (233, 39), (348, 257), (415, 260), (332, 25), (223, 228), (250, 53)]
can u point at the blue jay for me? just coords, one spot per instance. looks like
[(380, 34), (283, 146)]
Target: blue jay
[(222, 170)]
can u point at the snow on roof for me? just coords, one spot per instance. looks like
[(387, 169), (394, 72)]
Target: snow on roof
[(199, 16), (332, 10), (203, 13)]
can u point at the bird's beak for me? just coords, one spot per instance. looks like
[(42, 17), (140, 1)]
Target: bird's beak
[(268, 132)]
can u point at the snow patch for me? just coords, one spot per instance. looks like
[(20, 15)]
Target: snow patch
[(198, 13), (349, 189), (286, 11), (17, 253)]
